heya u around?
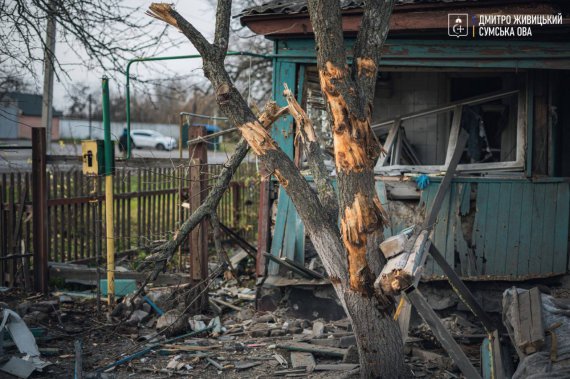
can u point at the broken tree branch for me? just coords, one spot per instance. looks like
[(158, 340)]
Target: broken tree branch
[(315, 157), (324, 233), (163, 253), (165, 12)]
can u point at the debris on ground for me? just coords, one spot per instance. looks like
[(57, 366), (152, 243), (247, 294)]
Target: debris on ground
[(155, 334)]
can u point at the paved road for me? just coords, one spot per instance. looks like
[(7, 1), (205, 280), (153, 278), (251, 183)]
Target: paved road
[(20, 160)]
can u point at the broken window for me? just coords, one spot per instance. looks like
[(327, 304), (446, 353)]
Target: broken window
[(423, 113), (428, 110)]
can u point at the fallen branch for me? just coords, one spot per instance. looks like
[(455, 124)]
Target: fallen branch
[(163, 253)]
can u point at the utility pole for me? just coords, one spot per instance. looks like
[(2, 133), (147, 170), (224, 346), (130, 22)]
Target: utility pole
[(90, 122), (49, 60)]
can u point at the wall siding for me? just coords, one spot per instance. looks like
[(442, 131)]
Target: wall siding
[(520, 228)]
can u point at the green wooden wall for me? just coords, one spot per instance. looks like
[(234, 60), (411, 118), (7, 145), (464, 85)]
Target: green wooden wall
[(499, 229)]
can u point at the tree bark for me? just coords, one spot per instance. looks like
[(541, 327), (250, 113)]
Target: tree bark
[(349, 94), (351, 259)]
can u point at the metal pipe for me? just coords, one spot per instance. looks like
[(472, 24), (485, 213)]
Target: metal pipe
[(151, 59), (203, 116), (109, 230), (210, 136), (182, 114)]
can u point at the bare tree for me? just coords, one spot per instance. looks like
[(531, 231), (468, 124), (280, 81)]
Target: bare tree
[(101, 33), (350, 254)]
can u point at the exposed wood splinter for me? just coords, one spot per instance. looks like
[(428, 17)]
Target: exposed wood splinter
[(355, 146), (161, 11), (365, 215), (257, 137)]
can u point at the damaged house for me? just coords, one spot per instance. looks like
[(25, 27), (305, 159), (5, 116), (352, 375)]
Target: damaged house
[(506, 216)]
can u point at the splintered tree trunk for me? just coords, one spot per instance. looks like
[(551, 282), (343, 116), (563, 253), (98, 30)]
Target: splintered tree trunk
[(349, 93)]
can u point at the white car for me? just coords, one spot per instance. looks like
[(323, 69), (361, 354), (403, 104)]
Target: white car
[(151, 138)]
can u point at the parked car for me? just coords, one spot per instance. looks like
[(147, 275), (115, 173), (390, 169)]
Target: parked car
[(151, 138)]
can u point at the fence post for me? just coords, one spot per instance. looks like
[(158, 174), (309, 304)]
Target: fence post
[(39, 209), (199, 236), (263, 222)]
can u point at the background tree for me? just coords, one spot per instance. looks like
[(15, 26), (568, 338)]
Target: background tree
[(101, 33), (350, 254)]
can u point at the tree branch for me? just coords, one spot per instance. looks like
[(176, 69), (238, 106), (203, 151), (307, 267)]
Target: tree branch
[(324, 234), (165, 12), (333, 50), (368, 47), (314, 154), (222, 34)]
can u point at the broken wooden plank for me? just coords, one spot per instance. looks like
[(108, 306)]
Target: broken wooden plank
[(226, 304), (289, 372), (244, 365), (404, 270), (394, 245), (528, 330), (525, 322), (443, 336), (537, 328), (188, 347), (315, 349)]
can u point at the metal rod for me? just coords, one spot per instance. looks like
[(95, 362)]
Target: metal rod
[(203, 116), (15, 147), (196, 141), (151, 59), (142, 352)]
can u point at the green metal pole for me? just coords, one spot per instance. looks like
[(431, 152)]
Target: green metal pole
[(107, 128), (109, 200)]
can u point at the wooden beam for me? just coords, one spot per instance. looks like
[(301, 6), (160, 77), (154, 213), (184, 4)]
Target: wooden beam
[(443, 336)]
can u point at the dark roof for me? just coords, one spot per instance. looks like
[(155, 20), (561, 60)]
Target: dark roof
[(30, 104), (277, 7)]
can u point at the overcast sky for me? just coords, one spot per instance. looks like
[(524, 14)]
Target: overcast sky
[(200, 13)]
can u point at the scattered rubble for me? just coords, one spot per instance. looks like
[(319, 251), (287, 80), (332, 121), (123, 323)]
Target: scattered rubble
[(154, 335)]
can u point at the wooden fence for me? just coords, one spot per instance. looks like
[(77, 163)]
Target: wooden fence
[(147, 210)]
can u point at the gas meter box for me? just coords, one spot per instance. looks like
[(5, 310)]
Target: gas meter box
[(93, 152)]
